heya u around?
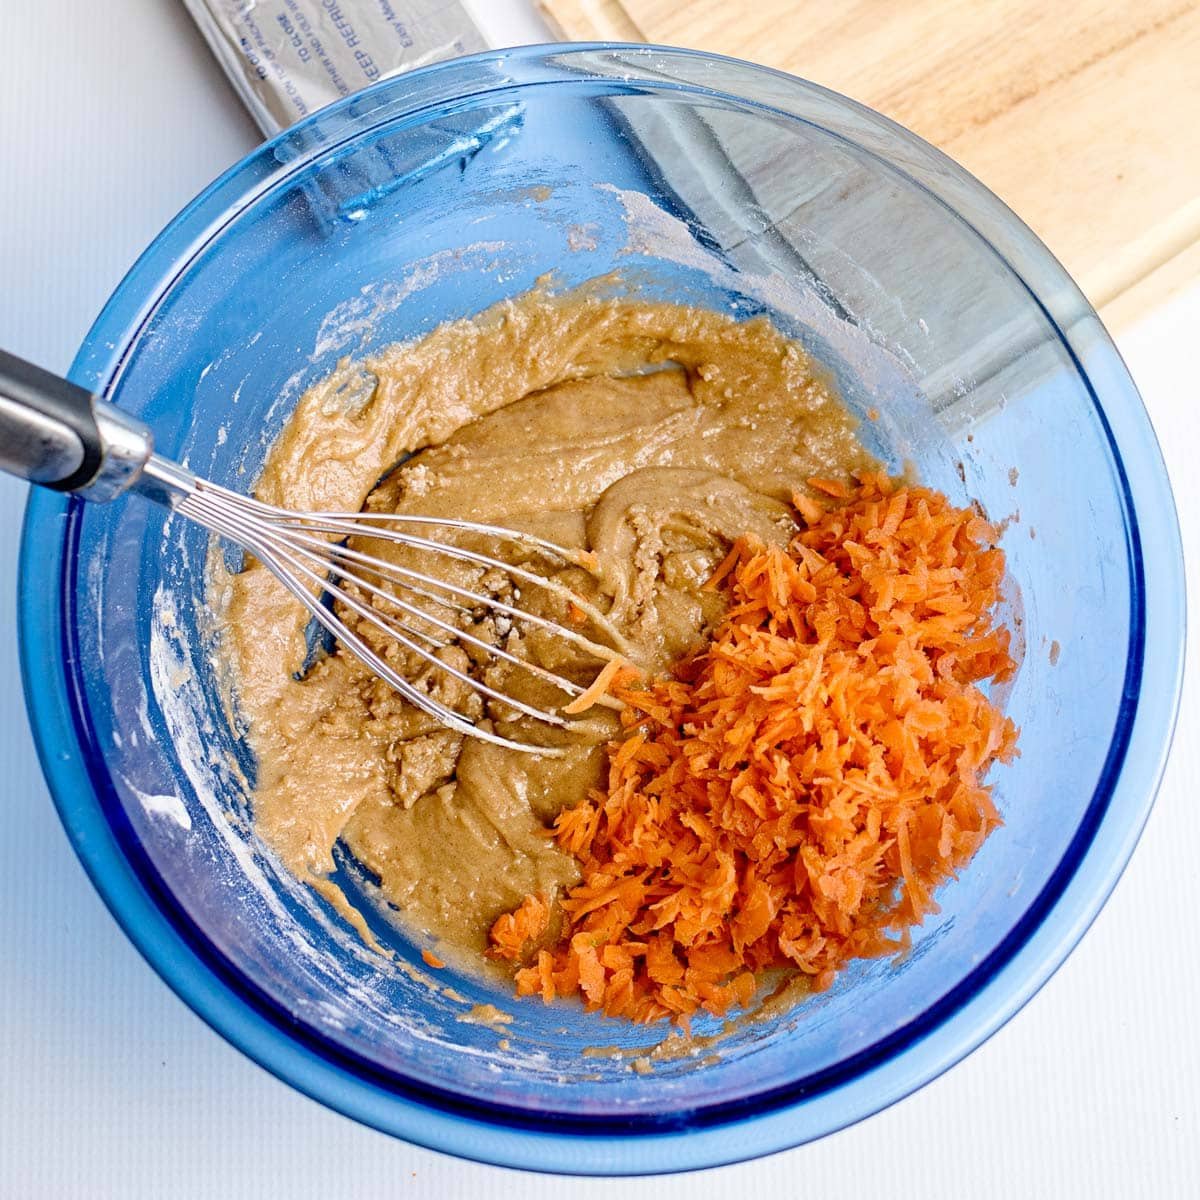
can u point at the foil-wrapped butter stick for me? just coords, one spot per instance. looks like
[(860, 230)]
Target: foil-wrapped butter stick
[(286, 58)]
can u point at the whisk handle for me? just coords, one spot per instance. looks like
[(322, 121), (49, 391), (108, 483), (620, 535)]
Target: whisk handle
[(57, 434)]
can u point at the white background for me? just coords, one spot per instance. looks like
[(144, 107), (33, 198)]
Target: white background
[(112, 115)]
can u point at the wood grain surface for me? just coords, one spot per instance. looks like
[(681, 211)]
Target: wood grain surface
[(1083, 116)]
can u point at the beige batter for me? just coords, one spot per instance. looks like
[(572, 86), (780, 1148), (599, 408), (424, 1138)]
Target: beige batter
[(650, 434)]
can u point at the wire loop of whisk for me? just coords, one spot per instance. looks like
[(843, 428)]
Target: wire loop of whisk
[(54, 433), (310, 556)]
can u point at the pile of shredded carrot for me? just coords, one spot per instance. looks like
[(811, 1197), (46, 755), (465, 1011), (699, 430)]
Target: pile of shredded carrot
[(795, 793)]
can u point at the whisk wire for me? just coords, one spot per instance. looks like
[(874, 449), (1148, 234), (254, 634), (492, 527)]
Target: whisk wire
[(314, 569), (350, 527), (373, 525), (328, 556)]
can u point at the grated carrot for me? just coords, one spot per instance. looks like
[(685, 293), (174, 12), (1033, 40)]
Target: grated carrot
[(599, 686), (794, 796), (432, 960), (839, 491), (724, 567), (512, 931), (807, 508)]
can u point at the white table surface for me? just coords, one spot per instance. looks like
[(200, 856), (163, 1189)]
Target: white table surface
[(112, 116)]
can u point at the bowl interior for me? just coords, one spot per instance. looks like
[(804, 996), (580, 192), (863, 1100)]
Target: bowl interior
[(399, 212)]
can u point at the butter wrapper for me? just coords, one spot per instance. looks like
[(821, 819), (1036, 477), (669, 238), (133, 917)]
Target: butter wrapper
[(287, 58)]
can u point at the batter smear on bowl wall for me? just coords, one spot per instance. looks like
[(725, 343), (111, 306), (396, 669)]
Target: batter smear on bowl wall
[(799, 756)]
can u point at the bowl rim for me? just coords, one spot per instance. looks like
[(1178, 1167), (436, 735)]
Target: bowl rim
[(911, 1057)]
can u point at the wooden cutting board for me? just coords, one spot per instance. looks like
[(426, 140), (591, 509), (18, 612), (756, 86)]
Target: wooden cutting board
[(1083, 116)]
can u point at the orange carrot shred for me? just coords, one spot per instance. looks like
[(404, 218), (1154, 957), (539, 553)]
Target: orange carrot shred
[(794, 796), (513, 931), (839, 491), (432, 960), (597, 688), (810, 511), (726, 565)]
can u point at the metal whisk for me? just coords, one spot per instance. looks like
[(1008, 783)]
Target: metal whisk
[(56, 434)]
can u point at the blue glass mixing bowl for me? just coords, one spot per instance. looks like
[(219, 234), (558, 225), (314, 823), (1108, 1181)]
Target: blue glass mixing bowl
[(432, 196)]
